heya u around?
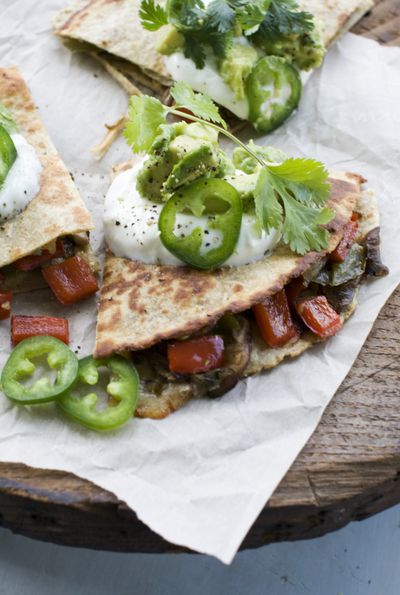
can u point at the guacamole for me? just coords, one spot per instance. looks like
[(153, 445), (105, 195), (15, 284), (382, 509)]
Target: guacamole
[(255, 49), (181, 154), (184, 153)]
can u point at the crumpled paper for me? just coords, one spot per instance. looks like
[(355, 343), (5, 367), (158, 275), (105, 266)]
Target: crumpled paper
[(200, 477)]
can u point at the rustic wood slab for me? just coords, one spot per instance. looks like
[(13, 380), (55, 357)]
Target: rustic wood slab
[(349, 469)]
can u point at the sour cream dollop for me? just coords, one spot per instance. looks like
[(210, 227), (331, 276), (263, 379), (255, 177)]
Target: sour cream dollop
[(23, 180), (131, 228), (206, 80)]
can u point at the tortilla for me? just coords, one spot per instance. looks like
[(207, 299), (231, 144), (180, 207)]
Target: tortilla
[(57, 210), (336, 17), (143, 304), (111, 29), (166, 394)]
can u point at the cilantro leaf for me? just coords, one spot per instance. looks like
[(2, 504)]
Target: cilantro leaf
[(186, 13), (283, 18), (305, 178), (250, 15), (302, 228), (222, 15), (269, 211), (152, 15), (190, 19), (293, 195), (194, 50), (199, 104), (146, 116)]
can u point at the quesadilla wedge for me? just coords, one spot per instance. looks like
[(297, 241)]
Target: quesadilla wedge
[(247, 57), (44, 224), (194, 322)]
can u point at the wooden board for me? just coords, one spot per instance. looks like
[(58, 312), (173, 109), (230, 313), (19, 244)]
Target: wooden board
[(349, 469)]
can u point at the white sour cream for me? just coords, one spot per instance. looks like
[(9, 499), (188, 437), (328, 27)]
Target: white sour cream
[(206, 80), (23, 180), (131, 228), (276, 97)]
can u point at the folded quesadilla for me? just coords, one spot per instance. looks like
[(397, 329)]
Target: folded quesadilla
[(199, 294), (248, 57), (44, 224)]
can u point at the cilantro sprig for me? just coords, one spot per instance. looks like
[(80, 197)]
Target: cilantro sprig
[(153, 16), (290, 196), (284, 18), (250, 15), (214, 26), (203, 27), (200, 104)]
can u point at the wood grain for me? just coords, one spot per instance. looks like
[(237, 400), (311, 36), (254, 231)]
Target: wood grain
[(382, 23), (349, 469)]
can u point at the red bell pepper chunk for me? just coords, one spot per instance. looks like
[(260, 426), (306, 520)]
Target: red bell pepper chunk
[(196, 355), (34, 261), (71, 280), (23, 327), (275, 321), (5, 304), (342, 249), (319, 316)]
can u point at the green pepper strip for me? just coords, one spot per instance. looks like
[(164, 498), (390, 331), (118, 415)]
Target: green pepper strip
[(8, 154), (20, 366), (123, 387), (220, 203), (265, 84), (351, 268)]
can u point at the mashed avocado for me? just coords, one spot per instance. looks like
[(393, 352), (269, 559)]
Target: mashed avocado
[(236, 67), (246, 163), (171, 42), (304, 50), (181, 154)]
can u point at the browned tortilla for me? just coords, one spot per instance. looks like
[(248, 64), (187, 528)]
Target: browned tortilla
[(112, 27), (165, 395), (58, 209), (142, 304), (336, 16)]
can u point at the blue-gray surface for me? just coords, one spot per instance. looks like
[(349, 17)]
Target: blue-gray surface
[(361, 559)]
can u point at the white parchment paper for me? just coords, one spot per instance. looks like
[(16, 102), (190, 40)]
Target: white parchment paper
[(201, 477)]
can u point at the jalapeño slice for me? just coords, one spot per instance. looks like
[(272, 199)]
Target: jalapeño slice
[(122, 388), (209, 243), (8, 154), (273, 89), (19, 367)]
